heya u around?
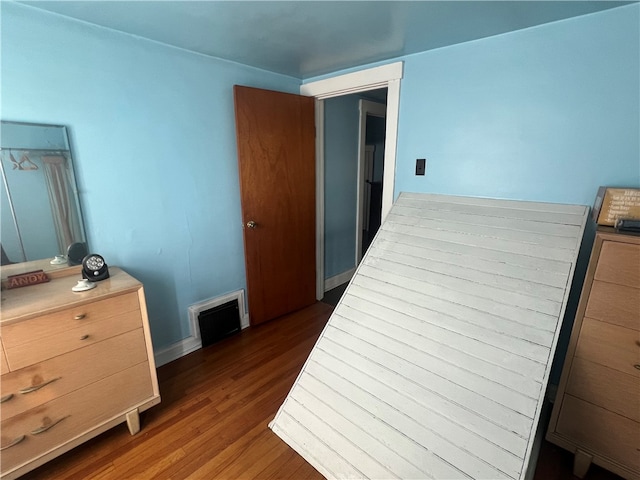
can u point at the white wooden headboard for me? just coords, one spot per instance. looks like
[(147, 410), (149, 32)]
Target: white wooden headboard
[(435, 362)]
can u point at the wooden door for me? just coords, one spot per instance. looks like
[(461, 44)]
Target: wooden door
[(276, 156)]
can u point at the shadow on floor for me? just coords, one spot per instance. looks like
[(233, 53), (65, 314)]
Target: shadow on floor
[(333, 296)]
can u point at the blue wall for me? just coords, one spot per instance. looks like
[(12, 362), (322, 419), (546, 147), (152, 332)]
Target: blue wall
[(342, 130), (341, 176), (153, 137), (548, 113)]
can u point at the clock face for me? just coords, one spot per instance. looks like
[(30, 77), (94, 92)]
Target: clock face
[(94, 262)]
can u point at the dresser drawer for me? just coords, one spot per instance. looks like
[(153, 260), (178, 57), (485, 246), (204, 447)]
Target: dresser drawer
[(605, 387), (609, 345), (619, 263), (82, 335), (615, 304), (37, 384), (600, 431), (44, 326), (75, 413)]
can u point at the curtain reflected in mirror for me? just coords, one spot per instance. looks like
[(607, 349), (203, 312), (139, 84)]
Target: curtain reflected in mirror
[(40, 215)]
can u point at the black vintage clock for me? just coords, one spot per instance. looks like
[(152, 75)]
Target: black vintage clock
[(94, 268)]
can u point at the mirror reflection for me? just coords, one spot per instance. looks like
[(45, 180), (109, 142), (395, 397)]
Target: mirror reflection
[(40, 215)]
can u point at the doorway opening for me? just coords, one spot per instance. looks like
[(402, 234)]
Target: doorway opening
[(385, 76), (370, 169)]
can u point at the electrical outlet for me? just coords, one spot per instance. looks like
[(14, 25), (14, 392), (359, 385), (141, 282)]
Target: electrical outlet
[(421, 166)]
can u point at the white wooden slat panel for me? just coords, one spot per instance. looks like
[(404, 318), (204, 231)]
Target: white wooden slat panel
[(488, 232), (359, 458), (522, 261), (326, 460), (472, 275), (350, 420), (470, 360), (532, 250), (479, 210), (406, 422), (507, 297), (470, 400), (439, 428), (439, 333), (499, 336), (551, 229), (435, 362), (547, 212), (434, 401), (407, 449), (485, 387), (471, 258), (481, 312)]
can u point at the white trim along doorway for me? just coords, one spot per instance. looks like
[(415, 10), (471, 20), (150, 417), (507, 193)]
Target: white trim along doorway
[(385, 76), (366, 108)]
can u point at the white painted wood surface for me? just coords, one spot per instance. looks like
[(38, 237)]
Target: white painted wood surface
[(435, 362)]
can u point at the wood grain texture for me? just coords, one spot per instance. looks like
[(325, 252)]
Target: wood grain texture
[(445, 337), (605, 387), (71, 372), (30, 302), (81, 336), (276, 157), (617, 304), (601, 431), (4, 366), (39, 329), (619, 263), (212, 422), (610, 345), (596, 408), (78, 365), (76, 413)]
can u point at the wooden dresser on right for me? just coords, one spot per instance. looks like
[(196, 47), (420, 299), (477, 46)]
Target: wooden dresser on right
[(596, 413)]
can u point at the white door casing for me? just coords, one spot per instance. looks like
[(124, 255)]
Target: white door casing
[(374, 109), (385, 76)]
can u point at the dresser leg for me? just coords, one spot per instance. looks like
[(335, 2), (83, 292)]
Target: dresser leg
[(133, 421), (581, 463)]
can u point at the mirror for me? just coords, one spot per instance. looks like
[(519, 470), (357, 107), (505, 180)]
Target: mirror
[(40, 215)]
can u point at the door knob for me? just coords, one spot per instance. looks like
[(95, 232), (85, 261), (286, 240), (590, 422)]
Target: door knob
[(251, 224)]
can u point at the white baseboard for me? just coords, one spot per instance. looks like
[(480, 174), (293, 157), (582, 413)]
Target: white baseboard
[(177, 350), (193, 342), (337, 280)]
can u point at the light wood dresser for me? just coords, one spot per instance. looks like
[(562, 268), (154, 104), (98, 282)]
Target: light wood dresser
[(73, 366), (596, 414)]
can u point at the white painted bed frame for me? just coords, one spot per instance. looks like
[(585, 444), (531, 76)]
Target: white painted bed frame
[(435, 362)]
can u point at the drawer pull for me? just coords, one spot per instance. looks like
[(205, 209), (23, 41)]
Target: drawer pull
[(637, 366), (6, 398), (84, 337), (38, 387), (13, 442), (80, 316), (48, 424)]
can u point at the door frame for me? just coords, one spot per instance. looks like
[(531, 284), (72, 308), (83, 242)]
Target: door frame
[(385, 76), (374, 109)]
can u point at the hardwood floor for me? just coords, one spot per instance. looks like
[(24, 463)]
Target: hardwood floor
[(216, 405)]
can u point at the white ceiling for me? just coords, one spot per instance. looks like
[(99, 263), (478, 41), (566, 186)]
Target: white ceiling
[(309, 38)]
